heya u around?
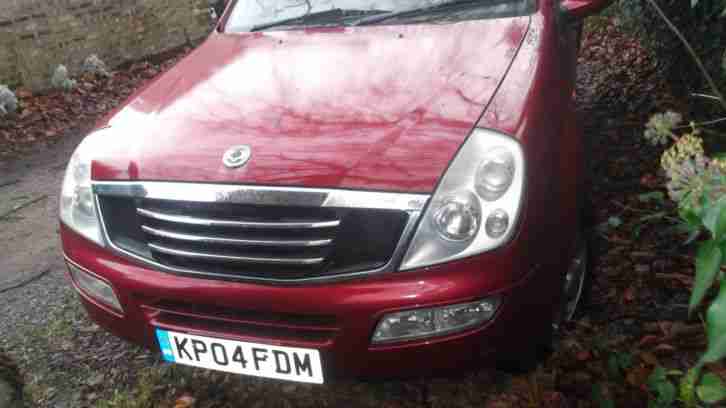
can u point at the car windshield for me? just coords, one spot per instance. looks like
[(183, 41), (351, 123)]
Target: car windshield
[(256, 15)]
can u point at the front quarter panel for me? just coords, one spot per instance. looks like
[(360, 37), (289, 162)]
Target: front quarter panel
[(535, 104)]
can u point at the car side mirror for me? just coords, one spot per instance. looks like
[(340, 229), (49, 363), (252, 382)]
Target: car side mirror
[(579, 9)]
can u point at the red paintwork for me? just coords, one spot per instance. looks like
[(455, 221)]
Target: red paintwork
[(535, 105), (336, 116), (378, 107)]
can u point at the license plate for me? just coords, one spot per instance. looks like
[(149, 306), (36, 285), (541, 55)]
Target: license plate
[(260, 360)]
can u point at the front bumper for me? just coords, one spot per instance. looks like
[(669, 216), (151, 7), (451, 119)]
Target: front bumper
[(336, 318)]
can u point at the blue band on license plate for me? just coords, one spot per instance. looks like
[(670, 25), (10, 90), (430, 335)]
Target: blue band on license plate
[(165, 345)]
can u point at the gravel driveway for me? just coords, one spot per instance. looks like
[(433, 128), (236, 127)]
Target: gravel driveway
[(63, 356)]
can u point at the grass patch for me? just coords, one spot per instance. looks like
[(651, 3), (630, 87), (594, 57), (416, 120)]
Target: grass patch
[(141, 397), (65, 318), (33, 391), (155, 385)]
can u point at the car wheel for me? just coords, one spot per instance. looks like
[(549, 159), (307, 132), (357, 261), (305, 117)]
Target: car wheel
[(575, 282), (575, 292)]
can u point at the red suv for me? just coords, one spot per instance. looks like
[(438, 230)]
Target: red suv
[(330, 187)]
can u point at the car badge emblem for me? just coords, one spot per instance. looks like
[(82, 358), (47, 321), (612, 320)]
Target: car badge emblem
[(237, 156)]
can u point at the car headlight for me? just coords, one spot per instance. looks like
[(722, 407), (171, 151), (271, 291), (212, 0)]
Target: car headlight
[(458, 217), (476, 205), (77, 203)]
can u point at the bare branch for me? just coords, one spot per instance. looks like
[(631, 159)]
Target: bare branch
[(705, 96), (707, 123), (691, 51)]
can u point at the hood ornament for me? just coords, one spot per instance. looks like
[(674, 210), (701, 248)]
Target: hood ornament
[(237, 156)]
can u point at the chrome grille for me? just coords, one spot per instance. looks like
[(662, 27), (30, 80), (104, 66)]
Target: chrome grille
[(231, 237), (181, 219), (257, 233), (236, 241)]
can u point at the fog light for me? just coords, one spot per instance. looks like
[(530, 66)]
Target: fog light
[(418, 323), (95, 287)]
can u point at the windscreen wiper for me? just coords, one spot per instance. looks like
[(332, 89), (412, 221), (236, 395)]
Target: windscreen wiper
[(455, 4), (319, 15)]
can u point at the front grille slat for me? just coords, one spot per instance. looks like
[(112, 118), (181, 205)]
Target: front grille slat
[(184, 219), (234, 241), (235, 258)]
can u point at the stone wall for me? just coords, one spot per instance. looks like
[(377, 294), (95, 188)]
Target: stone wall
[(37, 35)]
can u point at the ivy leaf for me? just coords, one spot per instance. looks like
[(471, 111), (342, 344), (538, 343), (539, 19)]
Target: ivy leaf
[(716, 326), (691, 217), (715, 219), (720, 227), (618, 363), (664, 390), (657, 376), (687, 387), (711, 390), (708, 263), (666, 394)]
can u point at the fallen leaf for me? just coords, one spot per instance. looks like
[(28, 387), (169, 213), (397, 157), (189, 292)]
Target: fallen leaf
[(629, 295), (648, 340), (665, 327), (638, 376), (583, 355), (23, 93), (185, 401), (649, 358), (663, 349), (650, 181)]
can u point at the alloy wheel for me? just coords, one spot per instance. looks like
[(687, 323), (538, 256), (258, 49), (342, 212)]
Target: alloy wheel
[(573, 287), (575, 282)]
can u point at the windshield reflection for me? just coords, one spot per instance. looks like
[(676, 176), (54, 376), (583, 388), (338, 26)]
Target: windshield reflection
[(251, 13)]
